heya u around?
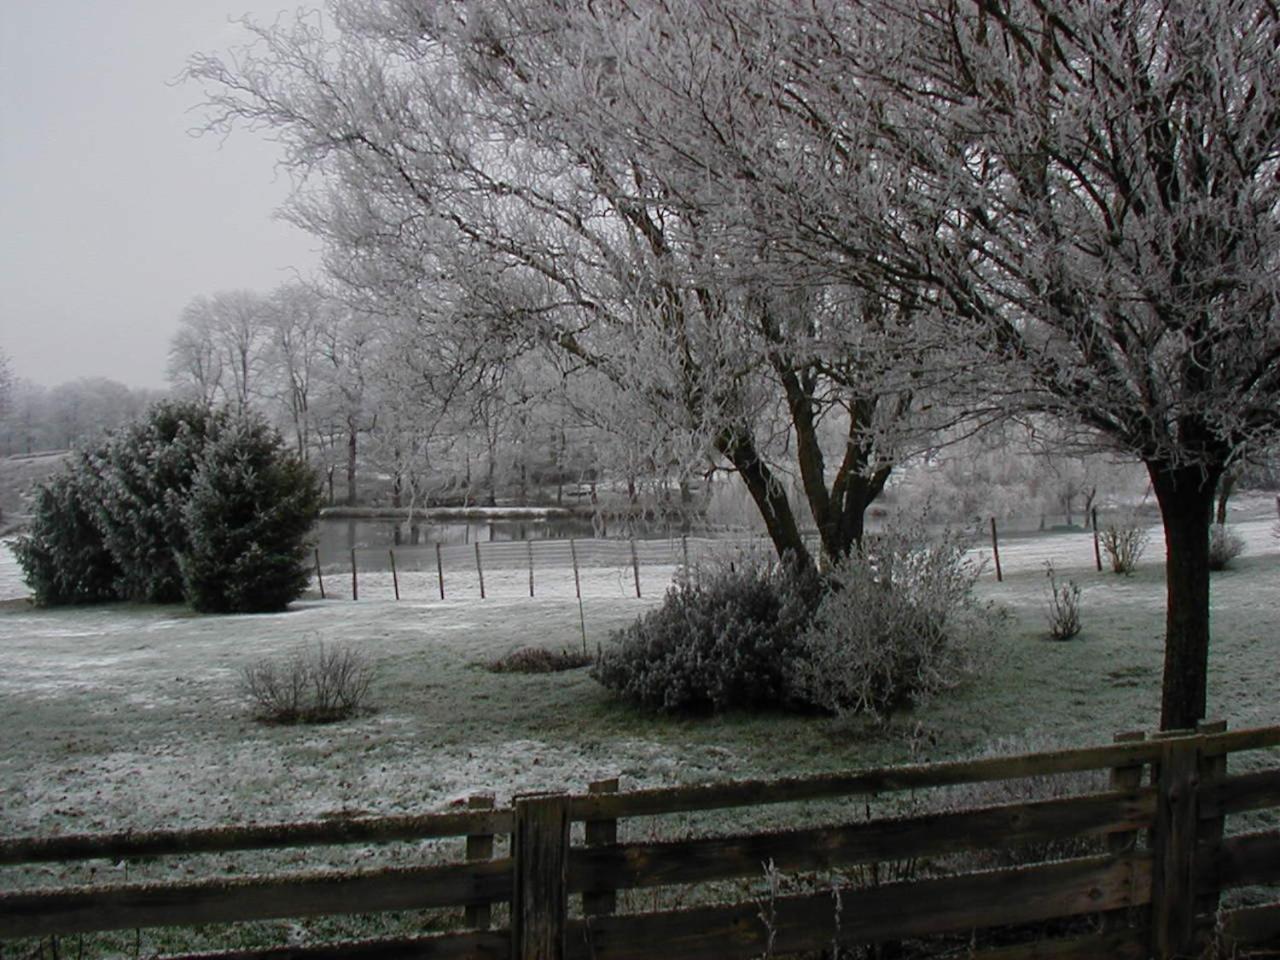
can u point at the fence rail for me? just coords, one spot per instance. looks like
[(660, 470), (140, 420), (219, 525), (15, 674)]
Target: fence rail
[(1159, 897)]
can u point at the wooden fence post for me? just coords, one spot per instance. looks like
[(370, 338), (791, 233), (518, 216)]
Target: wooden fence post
[(479, 847), (355, 584), (479, 570), (1212, 768), (995, 551), (440, 571), (1124, 778), (1097, 548), (540, 892), (529, 543), (319, 575), (395, 580), (1173, 887), (601, 833), (684, 549), (635, 565), (577, 584)]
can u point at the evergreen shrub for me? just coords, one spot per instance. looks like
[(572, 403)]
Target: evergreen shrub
[(252, 505), (185, 503), (63, 557), (722, 643)]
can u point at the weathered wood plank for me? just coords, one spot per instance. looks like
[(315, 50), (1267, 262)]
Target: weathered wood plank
[(126, 906), (1174, 851), (718, 858), (751, 792), (1211, 769), (1116, 945), (1252, 925), (815, 921), (123, 846), (1249, 858), (479, 848), (485, 945), (540, 898), (1240, 793), (600, 833)]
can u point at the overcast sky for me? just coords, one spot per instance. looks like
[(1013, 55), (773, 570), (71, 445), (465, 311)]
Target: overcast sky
[(112, 216)]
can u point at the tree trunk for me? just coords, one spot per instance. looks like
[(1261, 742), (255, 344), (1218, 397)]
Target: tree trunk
[(767, 492), (351, 467), (1186, 497), (1225, 487)]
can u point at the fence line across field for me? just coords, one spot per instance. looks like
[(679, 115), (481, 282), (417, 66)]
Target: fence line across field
[(599, 567)]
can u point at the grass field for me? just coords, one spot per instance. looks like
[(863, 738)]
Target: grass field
[(123, 716), (126, 717)]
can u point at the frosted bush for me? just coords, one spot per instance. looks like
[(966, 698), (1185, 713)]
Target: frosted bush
[(1224, 546), (316, 685), (1124, 541), (898, 624)]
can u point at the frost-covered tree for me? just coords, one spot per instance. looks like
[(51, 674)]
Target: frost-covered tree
[(1113, 233), (483, 143), (220, 351)]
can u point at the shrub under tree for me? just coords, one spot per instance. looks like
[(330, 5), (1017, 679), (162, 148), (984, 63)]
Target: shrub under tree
[(251, 507), (723, 643)]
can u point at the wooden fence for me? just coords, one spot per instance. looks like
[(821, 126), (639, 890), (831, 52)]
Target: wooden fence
[(1153, 891)]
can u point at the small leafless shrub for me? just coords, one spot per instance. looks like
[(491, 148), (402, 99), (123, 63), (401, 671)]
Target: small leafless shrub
[(318, 684), (1124, 541), (539, 660), (1224, 546), (1064, 606)]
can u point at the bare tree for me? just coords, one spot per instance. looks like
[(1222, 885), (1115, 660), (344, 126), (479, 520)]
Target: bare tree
[(220, 349), (1110, 175), (492, 144)]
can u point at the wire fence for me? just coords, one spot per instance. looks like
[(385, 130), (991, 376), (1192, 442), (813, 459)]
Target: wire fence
[(605, 567)]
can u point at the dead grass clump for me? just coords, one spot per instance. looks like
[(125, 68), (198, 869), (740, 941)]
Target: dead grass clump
[(321, 684), (540, 660)]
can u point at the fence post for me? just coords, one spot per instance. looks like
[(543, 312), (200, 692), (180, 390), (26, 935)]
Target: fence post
[(319, 575), (540, 862), (479, 847), (601, 833), (635, 565), (1173, 888), (577, 584), (684, 549), (355, 584), (529, 543), (1212, 769), (440, 571), (479, 570), (395, 580), (1124, 778), (1097, 549), (995, 551)]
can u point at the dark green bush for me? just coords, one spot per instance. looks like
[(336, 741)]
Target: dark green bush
[(251, 507), (186, 503), (144, 475), (723, 643), (63, 556)]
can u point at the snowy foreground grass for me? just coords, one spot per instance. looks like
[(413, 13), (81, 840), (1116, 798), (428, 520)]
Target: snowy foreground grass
[(125, 717)]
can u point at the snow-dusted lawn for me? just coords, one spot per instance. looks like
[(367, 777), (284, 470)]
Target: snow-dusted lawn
[(121, 716)]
